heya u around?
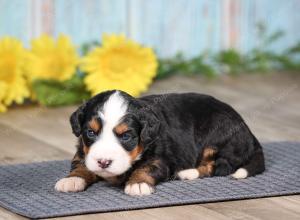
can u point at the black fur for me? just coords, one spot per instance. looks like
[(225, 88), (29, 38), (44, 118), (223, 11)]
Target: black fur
[(175, 128)]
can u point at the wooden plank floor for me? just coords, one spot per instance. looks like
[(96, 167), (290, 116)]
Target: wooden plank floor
[(270, 105)]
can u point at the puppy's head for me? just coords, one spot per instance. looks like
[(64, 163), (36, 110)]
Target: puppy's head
[(115, 130)]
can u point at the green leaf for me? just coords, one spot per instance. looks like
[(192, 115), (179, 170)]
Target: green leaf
[(179, 65), (55, 93), (232, 60), (294, 49), (170, 66)]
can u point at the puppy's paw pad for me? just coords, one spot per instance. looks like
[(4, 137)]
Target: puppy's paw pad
[(241, 173), (70, 184), (189, 174), (139, 189)]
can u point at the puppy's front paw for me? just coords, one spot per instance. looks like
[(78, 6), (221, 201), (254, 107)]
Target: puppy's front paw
[(70, 184), (139, 189)]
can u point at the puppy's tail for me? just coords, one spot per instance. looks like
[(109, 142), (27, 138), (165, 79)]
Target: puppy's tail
[(255, 165)]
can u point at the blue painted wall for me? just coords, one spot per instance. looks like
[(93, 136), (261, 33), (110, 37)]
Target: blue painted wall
[(190, 26)]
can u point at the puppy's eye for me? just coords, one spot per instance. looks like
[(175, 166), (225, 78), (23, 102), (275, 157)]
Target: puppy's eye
[(125, 137), (91, 134)]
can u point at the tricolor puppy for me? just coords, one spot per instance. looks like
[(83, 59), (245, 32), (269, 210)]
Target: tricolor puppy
[(140, 142)]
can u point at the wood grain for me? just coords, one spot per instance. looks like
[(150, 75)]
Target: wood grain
[(257, 209), (7, 215), (50, 126), (17, 147)]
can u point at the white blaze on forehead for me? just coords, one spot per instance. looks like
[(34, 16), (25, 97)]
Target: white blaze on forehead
[(107, 146), (113, 110)]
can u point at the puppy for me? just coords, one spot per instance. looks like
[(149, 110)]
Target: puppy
[(140, 142)]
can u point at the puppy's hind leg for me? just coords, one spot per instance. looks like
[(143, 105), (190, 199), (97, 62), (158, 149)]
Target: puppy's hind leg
[(223, 167), (254, 166), (188, 174), (205, 169)]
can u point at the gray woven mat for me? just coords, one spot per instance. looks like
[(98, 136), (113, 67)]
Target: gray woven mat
[(29, 189)]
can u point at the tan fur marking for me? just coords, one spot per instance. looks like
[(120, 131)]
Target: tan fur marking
[(136, 152), (76, 157), (208, 153), (121, 128), (142, 175), (85, 149), (95, 125), (207, 163), (81, 171), (206, 170)]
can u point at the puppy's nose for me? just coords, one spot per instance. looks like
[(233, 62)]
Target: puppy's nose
[(103, 163)]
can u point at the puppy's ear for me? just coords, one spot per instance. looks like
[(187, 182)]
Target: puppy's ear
[(150, 128), (76, 120)]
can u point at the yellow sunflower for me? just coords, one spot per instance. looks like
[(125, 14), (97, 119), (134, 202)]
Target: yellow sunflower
[(52, 60), (119, 63), (13, 86)]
